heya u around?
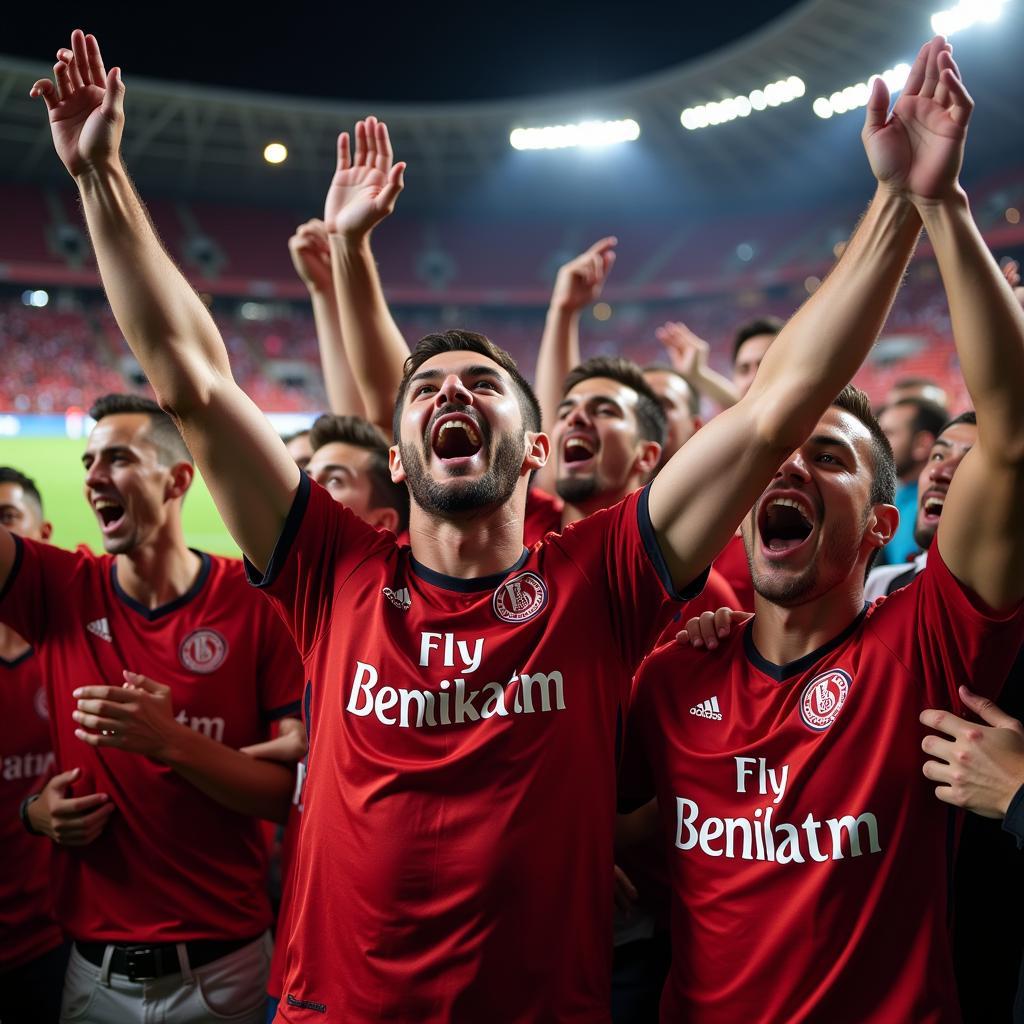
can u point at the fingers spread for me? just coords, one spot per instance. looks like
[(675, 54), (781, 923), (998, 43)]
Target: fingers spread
[(97, 72), (81, 63), (344, 152), (46, 89), (912, 86), (987, 710)]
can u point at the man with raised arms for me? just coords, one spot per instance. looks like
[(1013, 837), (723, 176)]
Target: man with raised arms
[(455, 855), (810, 865)]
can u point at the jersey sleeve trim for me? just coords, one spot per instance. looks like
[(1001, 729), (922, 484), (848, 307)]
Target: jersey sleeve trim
[(19, 553), (292, 710), (654, 553), (284, 542)]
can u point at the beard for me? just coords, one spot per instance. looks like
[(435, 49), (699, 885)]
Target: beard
[(830, 564), (574, 490), (492, 489)]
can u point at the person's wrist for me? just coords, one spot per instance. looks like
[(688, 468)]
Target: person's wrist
[(173, 746), (32, 826), (954, 198), (98, 169)]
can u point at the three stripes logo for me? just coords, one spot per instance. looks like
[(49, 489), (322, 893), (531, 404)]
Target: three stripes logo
[(100, 628), (708, 709)]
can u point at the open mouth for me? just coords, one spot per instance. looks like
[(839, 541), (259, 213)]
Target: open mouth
[(784, 525), (110, 514), (932, 506), (455, 437), (577, 449)]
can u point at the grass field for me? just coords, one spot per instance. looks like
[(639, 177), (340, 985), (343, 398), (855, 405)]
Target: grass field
[(55, 465)]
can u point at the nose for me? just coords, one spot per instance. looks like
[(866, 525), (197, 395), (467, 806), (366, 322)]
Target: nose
[(95, 474), (452, 390), (578, 416), (794, 468), (942, 470)]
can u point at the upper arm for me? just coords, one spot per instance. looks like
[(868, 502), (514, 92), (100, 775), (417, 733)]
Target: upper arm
[(245, 464), (980, 534), (703, 493)]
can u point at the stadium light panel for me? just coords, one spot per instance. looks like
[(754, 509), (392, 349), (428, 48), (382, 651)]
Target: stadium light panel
[(35, 297), (275, 153), (586, 134), (965, 14), (772, 95), (855, 96)]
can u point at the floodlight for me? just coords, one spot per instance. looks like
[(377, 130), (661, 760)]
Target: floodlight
[(586, 134), (275, 153), (965, 14)]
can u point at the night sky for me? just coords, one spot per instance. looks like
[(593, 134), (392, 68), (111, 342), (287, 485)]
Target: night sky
[(428, 52)]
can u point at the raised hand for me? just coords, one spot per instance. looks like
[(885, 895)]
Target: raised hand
[(579, 282), (918, 150), (311, 255), (85, 104), (364, 190), (687, 353)]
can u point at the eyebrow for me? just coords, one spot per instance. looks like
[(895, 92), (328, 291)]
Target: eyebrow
[(469, 371), (831, 441), (114, 449), (334, 467), (942, 441), (591, 400)]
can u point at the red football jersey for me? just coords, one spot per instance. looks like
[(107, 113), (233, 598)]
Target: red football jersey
[(171, 864), (810, 860), (733, 565), (27, 929), (543, 515), (455, 852)]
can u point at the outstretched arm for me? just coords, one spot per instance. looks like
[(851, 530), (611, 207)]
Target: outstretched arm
[(311, 257), (711, 483), (246, 466), (980, 530), (577, 284), (688, 354), (362, 193)]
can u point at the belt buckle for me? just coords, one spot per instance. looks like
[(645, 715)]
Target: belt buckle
[(141, 963)]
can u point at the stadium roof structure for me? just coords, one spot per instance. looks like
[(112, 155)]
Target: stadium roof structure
[(208, 142)]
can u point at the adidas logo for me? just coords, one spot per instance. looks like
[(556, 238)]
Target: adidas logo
[(100, 628), (708, 709), (401, 599)]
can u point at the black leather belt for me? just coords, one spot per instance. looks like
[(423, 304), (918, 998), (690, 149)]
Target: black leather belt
[(147, 963)]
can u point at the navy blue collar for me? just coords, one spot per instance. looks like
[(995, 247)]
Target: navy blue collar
[(780, 673), (15, 662), (171, 606), (463, 585)]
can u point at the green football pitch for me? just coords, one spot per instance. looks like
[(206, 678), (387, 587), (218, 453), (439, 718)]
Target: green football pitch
[(55, 465)]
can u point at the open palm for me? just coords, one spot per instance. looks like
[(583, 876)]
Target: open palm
[(84, 104), (918, 150), (363, 190)]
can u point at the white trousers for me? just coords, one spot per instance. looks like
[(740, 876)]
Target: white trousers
[(232, 988)]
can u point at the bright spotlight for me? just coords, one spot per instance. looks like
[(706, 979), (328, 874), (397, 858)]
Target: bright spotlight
[(745, 251), (602, 311), (857, 95), (720, 112), (36, 298), (586, 133), (275, 153), (965, 14)]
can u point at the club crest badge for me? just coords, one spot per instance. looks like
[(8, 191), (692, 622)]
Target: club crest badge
[(520, 598), (823, 698), (203, 650)]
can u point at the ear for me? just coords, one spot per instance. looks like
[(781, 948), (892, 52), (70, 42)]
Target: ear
[(383, 519), (648, 454), (182, 475), (45, 530), (538, 450), (883, 521), (921, 444), (395, 465)]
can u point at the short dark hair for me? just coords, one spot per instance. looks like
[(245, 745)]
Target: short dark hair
[(650, 416), (353, 430), (163, 434), (965, 417), (752, 328), (694, 394), (929, 416), (883, 485), (883, 481), (467, 341), (9, 475), (294, 435)]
